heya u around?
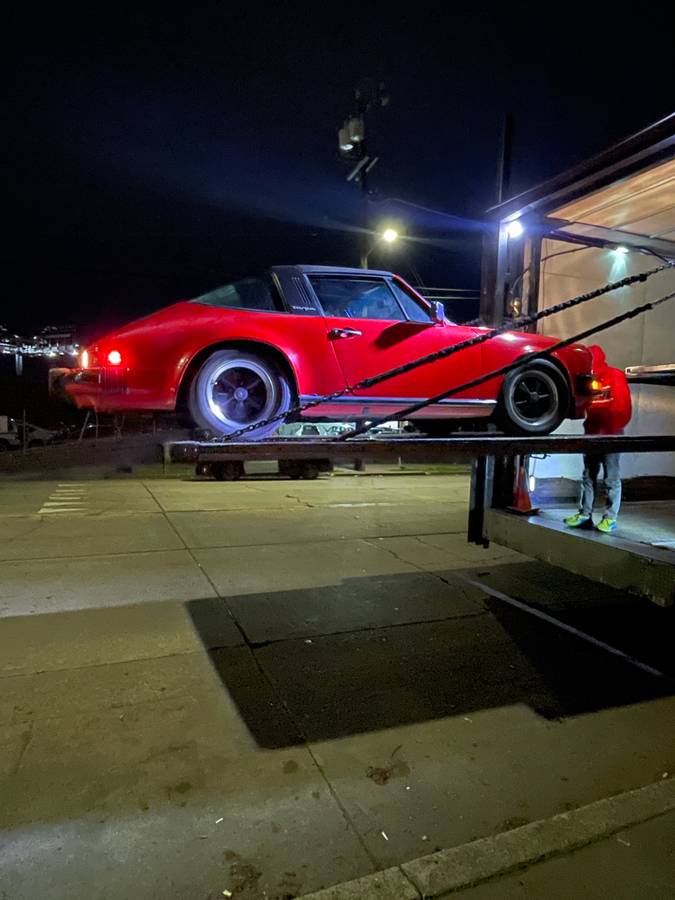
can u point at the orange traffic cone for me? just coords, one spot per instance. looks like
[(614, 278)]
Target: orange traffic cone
[(522, 502)]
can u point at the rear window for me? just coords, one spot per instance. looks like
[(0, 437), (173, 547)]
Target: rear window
[(247, 293)]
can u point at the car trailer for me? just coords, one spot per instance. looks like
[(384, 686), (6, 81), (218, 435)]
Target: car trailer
[(497, 462)]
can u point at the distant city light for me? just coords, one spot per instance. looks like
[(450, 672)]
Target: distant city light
[(515, 229), (51, 342), (621, 250), (389, 235)]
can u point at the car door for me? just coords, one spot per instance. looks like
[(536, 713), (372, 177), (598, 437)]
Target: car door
[(376, 323)]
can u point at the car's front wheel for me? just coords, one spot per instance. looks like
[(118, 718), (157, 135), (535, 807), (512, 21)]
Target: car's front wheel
[(533, 400), (235, 389)]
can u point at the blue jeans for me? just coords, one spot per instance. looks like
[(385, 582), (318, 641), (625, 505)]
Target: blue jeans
[(610, 464)]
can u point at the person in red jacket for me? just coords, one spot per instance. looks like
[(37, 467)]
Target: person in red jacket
[(609, 413)]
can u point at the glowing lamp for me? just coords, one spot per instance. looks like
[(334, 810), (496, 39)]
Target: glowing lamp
[(84, 359), (114, 357), (515, 229), (621, 250), (389, 235)]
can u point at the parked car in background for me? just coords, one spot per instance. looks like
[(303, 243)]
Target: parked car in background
[(11, 434), (314, 429), (249, 350), (386, 429)]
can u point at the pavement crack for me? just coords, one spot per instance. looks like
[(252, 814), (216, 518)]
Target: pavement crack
[(206, 575), (300, 501), (313, 636), (25, 534), (297, 724), (26, 739), (453, 583)]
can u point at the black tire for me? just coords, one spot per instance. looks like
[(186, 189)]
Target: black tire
[(233, 389), (533, 400), (227, 471)]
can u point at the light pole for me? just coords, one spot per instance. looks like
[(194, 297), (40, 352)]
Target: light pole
[(388, 236), (369, 94)]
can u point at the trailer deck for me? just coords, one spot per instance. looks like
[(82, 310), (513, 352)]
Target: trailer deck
[(640, 559)]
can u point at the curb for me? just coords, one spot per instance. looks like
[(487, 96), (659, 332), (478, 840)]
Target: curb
[(447, 871)]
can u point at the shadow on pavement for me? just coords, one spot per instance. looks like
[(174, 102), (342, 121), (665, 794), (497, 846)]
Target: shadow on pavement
[(377, 675)]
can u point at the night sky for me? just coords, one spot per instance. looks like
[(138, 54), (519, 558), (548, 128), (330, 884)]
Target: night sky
[(155, 154)]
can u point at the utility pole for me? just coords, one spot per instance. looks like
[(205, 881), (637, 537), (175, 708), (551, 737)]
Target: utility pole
[(369, 94), (504, 161), (495, 250)]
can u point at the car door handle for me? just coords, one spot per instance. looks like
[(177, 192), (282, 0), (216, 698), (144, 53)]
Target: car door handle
[(336, 334)]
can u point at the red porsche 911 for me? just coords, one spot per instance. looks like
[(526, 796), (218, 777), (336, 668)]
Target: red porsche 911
[(251, 349)]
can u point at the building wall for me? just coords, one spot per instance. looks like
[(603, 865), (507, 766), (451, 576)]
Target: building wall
[(648, 339)]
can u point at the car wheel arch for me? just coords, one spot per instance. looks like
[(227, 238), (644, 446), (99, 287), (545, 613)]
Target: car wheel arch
[(260, 347)]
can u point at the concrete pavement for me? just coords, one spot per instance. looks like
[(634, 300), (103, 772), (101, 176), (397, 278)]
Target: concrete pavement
[(269, 687)]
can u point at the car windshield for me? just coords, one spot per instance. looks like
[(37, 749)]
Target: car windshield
[(247, 293)]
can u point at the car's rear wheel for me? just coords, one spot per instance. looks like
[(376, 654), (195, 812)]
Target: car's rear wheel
[(533, 400), (234, 389)]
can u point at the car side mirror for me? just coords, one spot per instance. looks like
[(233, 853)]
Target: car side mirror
[(438, 312)]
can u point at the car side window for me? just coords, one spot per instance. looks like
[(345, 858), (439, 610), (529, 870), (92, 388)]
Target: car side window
[(247, 293), (356, 298), (413, 308)]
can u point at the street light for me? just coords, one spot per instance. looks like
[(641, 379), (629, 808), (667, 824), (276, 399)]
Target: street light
[(388, 236)]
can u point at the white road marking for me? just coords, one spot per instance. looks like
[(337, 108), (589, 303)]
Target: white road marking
[(66, 498), (350, 505)]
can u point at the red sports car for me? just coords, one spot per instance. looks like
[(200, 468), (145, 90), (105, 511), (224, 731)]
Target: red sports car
[(252, 348)]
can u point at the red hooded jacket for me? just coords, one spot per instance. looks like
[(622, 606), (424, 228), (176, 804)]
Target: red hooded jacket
[(611, 411)]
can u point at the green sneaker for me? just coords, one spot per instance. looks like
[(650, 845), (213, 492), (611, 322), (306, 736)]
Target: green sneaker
[(606, 526), (578, 520)]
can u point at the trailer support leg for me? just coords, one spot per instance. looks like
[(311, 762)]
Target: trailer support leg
[(482, 473)]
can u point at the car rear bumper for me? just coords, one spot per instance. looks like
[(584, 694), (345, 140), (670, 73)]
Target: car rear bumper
[(89, 388), (107, 390)]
